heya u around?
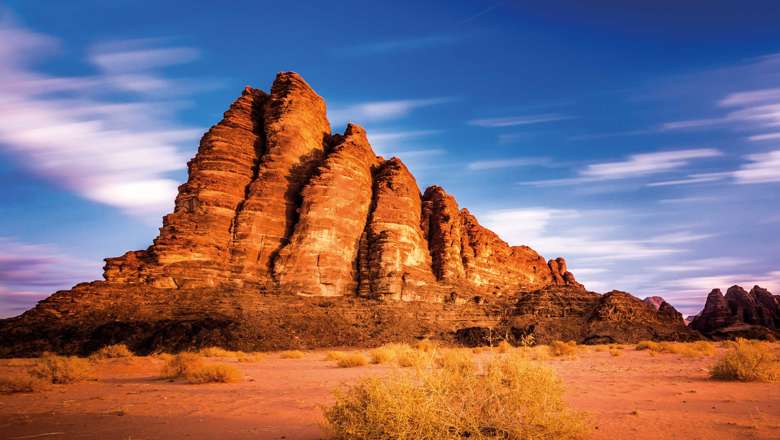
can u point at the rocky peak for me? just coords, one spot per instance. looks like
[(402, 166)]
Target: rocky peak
[(654, 301), (738, 308)]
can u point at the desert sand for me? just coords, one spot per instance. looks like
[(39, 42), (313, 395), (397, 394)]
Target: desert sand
[(634, 395)]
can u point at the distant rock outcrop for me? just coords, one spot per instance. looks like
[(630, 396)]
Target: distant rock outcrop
[(278, 212), (753, 314)]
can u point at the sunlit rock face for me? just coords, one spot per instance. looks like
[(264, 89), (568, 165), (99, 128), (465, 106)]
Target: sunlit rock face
[(287, 235)]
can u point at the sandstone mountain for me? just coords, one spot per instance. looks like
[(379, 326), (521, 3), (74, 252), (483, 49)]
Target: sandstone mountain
[(286, 234), (754, 314)]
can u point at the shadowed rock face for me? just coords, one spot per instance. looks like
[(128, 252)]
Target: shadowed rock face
[(276, 207), (739, 313)]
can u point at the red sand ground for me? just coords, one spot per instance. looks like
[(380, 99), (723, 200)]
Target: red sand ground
[(632, 396)]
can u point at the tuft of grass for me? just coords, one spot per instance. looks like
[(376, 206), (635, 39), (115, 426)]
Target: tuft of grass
[(748, 361), (504, 347), (192, 368), (214, 373), (512, 398), (350, 360), (615, 352), (292, 354), (648, 345), (334, 355), (20, 382), (217, 352), (113, 351), (560, 348), (56, 369), (456, 359), (383, 355), (412, 358), (249, 357), (426, 345)]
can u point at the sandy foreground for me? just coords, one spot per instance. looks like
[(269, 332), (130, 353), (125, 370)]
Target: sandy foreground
[(631, 396)]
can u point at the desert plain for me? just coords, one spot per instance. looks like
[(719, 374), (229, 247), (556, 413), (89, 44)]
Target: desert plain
[(622, 393)]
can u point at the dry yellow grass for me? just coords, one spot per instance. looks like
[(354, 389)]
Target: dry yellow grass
[(511, 398), (412, 358), (748, 361), (217, 352), (192, 368), (456, 359), (350, 360), (503, 347), (560, 348), (292, 354), (382, 355), (334, 355), (687, 349), (426, 345), (249, 357), (20, 382), (112, 352), (61, 369)]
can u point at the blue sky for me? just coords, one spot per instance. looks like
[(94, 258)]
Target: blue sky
[(640, 142)]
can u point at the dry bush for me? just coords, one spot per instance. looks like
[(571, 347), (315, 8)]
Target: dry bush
[(292, 354), (249, 357), (192, 368), (648, 345), (748, 361), (382, 355), (214, 373), (456, 359), (426, 345), (217, 352), (334, 355), (512, 398), (412, 358), (560, 348), (61, 369), (503, 347), (352, 360), (20, 382), (615, 352), (477, 350), (112, 352)]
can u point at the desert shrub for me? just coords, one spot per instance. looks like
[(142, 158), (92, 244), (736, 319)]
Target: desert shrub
[(249, 357), (512, 398), (192, 368), (20, 382), (426, 345), (334, 355), (503, 347), (61, 369), (382, 355), (600, 348), (560, 348), (748, 361), (456, 359), (648, 345), (292, 354), (412, 358), (615, 352), (213, 373), (112, 352), (477, 350), (352, 360), (217, 352), (526, 341)]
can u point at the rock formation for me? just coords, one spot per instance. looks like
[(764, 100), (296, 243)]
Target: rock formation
[(754, 314), (277, 212)]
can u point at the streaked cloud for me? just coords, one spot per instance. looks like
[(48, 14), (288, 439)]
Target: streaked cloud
[(30, 272), (513, 121), (378, 138), (693, 178), (481, 165), (761, 168), (636, 165), (377, 111), (75, 133)]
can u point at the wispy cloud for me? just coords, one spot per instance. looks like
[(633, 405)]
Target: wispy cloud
[(29, 272), (399, 45), (513, 121), (73, 132), (636, 165), (762, 168), (380, 138), (376, 111), (693, 178), (481, 165)]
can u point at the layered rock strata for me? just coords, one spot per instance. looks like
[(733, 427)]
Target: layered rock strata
[(276, 209)]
